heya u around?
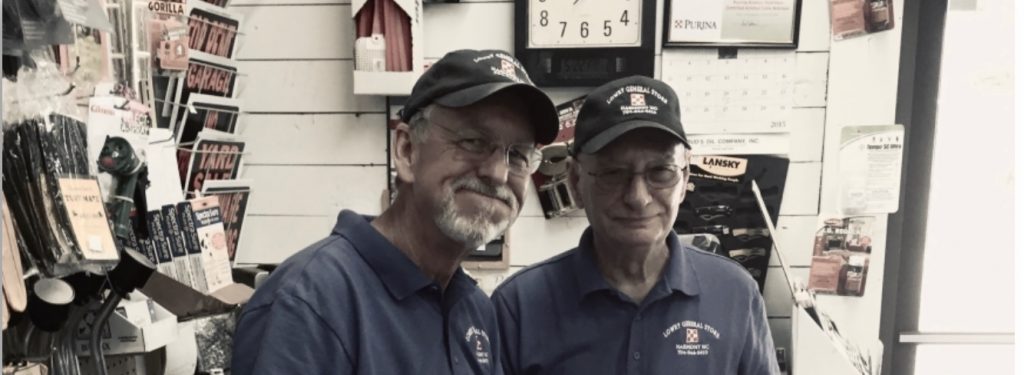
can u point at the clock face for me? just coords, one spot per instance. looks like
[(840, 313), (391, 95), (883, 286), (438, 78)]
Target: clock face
[(584, 23)]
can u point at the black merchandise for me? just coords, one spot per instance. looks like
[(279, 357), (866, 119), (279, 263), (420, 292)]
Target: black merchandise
[(552, 176), (39, 154), (623, 105), (120, 160), (719, 201)]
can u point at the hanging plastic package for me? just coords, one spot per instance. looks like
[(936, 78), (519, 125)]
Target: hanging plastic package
[(57, 207)]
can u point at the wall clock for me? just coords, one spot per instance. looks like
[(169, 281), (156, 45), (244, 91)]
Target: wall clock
[(584, 42)]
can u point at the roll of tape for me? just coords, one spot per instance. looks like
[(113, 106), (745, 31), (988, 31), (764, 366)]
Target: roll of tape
[(555, 160)]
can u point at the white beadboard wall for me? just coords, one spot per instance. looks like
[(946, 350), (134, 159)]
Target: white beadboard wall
[(315, 148)]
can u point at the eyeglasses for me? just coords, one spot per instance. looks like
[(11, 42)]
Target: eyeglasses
[(522, 159), (657, 177)]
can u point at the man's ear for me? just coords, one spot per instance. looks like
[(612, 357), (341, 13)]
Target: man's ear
[(686, 183), (404, 153), (687, 155), (574, 182)]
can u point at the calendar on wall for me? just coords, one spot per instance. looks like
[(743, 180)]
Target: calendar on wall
[(750, 91)]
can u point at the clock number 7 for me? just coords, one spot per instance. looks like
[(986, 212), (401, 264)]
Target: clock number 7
[(563, 27)]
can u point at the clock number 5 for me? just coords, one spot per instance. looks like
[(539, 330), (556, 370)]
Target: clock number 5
[(543, 18), (607, 28)]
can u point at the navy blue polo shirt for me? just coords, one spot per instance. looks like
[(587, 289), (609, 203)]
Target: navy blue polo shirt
[(705, 316), (355, 304)]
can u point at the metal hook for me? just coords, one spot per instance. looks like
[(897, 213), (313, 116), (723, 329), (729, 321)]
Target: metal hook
[(71, 88)]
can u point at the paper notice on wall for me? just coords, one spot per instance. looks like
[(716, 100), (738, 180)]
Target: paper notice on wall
[(870, 162)]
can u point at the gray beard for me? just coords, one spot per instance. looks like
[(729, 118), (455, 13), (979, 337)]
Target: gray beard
[(470, 230)]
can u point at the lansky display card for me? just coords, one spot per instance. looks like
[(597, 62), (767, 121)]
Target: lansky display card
[(719, 201)]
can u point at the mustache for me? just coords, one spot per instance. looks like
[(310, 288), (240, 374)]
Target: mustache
[(502, 193)]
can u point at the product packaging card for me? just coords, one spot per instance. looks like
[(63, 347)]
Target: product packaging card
[(212, 242), (842, 254), (719, 201)]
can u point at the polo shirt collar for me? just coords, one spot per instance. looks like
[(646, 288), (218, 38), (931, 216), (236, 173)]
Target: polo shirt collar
[(679, 274), (400, 275)]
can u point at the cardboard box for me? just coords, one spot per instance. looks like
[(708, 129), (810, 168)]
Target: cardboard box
[(394, 83), (187, 303), (131, 329)]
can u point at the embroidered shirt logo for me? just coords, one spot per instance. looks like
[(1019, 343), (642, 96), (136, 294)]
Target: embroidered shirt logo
[(689, 340), (692, 336), (480, 345)]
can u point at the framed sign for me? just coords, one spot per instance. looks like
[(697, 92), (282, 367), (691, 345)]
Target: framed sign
[(732, 23), (584, 42)]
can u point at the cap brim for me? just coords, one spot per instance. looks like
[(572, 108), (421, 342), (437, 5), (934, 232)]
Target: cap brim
[(604, 138), (543, 112)]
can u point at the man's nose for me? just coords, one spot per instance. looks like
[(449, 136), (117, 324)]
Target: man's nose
[(495, 168), (637, 194)]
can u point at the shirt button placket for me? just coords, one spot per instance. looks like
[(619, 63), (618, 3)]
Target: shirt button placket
[(635, 329)]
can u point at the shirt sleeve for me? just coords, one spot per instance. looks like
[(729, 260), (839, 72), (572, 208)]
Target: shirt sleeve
[(286, 337), (758, 357), (508, 326)]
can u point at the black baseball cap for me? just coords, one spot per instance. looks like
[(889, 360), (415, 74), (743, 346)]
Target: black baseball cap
[(464, 77), (626, 104)]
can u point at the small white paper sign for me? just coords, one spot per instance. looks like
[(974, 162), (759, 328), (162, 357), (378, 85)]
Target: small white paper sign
[(870, 162)]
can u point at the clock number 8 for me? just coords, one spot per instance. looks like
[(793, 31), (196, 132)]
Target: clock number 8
[(543, 18)]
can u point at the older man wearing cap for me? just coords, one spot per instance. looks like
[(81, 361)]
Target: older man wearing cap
[(630, 299), (386, 295)]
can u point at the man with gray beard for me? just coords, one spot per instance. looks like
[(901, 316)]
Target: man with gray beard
[(386, 295)]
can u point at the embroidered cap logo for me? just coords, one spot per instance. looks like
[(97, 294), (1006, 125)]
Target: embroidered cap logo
[(508, 68), (637, 99)]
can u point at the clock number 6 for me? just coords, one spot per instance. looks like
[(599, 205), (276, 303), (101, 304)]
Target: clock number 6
[(543, 18), (584, 31)]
